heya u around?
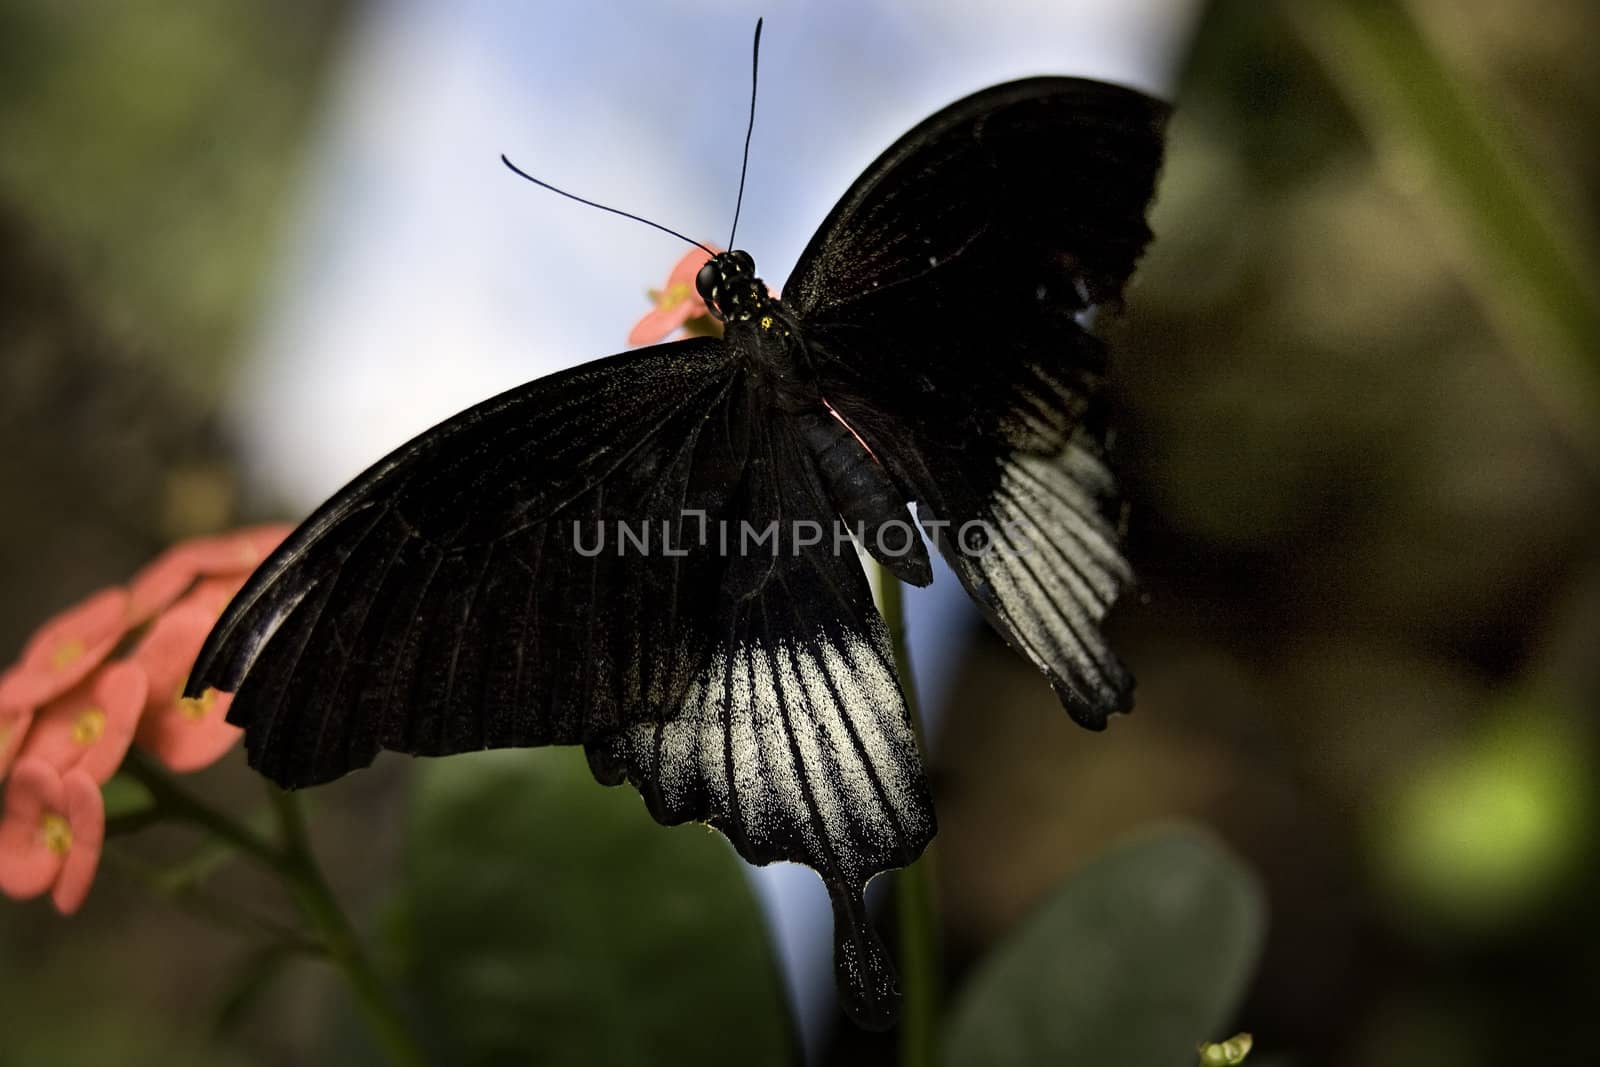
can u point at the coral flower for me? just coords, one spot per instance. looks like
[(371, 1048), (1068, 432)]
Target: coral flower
[(14, 723), (79, 716), (65, 649), (90, 727), (183, 733), (675, 303), (50, 834), (160, 584), (213, 594)]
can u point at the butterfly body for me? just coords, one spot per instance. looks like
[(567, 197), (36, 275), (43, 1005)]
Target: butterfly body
[(625, 555)]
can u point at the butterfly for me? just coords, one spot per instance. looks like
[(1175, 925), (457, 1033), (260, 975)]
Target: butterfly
[(622, 555)]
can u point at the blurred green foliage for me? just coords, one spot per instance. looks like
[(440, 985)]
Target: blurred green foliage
[(89, 1002), (152, 144), (148, 151), (1483, 833), (545, 919), (1361, 534), (1457, 157)]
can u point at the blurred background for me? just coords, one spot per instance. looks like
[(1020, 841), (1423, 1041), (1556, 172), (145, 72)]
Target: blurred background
[(246, 247)]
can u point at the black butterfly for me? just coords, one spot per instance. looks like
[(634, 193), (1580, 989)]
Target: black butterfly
[(928, 348)]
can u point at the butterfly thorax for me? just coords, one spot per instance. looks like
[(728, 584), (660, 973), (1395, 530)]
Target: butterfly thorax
[(756, 325)]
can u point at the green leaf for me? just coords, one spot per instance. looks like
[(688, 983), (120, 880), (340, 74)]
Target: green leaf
[(547, 919), (126, 797), (1136, 960), (130, 807)]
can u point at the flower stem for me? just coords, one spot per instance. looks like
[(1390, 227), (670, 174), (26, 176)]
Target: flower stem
[(913, 885), (185, 894), (344, 948), (293, 861), (172, 800)]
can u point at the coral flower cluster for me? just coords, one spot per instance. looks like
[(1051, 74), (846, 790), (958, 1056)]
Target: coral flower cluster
[(676, 305), (104, 675)]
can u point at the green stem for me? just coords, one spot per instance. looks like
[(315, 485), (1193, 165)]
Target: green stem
[(344, 948), (172, 800), (133, 822), (294, 862), (187, 896), (913, 886)]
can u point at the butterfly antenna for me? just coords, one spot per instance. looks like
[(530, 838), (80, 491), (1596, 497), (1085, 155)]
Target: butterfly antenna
[(755, 63), (615, 211)]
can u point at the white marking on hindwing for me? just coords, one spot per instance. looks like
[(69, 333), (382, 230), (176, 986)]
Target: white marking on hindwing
[(779, 703)]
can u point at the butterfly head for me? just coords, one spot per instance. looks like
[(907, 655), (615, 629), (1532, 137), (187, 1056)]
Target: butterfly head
[(730, 288)]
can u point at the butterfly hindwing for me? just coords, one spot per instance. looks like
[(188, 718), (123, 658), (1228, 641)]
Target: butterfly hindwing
[(793, 738)]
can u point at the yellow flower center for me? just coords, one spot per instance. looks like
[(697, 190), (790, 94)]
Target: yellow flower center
[(88, 727), (196, 708), (55, 833), (671, 296), (66, 654)]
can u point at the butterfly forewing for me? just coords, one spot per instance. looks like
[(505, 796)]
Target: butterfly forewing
[(454, 596), (1044, 180)]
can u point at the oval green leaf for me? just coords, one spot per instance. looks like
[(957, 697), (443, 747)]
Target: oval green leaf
[(1137, 959)]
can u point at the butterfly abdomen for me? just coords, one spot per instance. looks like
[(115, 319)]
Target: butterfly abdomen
[(866, 497)]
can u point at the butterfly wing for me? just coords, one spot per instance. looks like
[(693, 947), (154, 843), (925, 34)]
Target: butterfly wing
[(1054, 171), (942, 304), (562, 565)]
